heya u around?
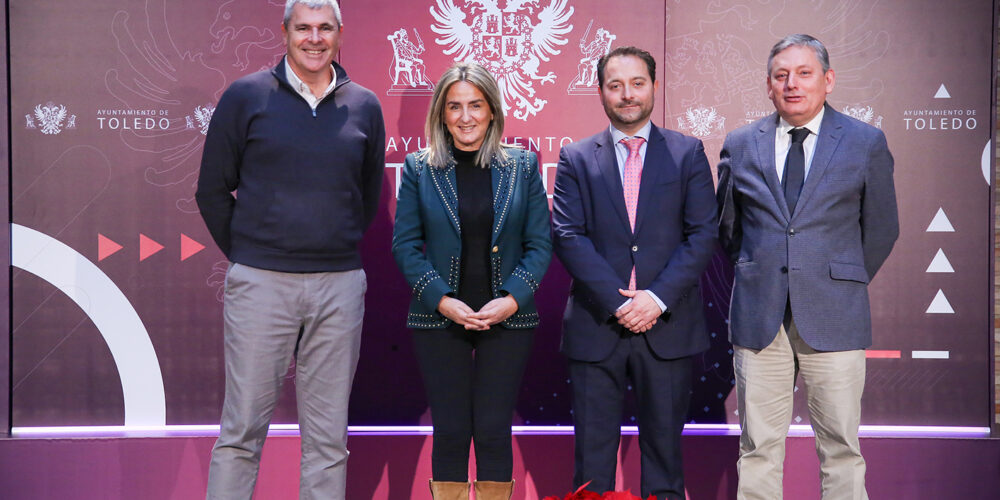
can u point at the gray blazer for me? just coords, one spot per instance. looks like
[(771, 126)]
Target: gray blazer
[(819, 258)]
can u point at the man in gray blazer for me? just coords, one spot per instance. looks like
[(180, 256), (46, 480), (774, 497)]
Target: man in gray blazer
[(808, 216)]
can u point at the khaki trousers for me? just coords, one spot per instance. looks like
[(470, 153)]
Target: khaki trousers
[(765, 382)]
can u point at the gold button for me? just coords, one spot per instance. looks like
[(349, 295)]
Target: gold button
[(496, 249)]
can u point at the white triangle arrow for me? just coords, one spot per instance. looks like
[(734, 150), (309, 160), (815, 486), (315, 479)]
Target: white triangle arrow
[(942, 93), (940, 305), (940, 264), (940, 223)]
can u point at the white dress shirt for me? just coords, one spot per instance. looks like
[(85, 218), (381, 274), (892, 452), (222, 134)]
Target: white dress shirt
[(783, 142)]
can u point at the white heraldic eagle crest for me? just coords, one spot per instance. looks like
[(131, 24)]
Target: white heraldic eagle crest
[(511, 42)]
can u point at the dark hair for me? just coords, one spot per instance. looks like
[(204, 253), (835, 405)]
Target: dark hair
[(626, 51)]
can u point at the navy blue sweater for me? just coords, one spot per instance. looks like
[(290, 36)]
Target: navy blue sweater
[(308, 182)]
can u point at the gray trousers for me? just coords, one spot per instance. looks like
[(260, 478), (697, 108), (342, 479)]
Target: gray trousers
[(271, 318)]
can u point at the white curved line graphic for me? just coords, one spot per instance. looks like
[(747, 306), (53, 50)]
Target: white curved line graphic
[(984, 162), (105, 305)]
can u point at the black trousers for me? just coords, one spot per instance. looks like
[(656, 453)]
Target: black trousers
[(472, 380), (662, 389)]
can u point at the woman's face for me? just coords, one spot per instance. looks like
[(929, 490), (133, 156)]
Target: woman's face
[(467, 115)]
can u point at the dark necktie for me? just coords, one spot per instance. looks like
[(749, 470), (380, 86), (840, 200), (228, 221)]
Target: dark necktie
[(795, 167)]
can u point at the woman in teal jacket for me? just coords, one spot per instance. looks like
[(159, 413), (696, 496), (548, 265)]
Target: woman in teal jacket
[(472, 238)]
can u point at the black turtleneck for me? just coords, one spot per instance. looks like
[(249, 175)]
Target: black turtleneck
[(475, 212)]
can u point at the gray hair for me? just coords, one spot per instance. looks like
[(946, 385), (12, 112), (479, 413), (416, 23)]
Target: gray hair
[(800, 40), (312, 4), (439, 140)]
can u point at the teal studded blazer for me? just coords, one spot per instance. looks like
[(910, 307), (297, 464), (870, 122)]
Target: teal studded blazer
[(427, 242)]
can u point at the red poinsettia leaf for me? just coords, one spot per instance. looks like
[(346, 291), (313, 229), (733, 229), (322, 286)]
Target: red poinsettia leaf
[(619, 495)]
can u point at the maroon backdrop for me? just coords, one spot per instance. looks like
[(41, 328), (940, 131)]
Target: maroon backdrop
[(4, 243), (108, 129)]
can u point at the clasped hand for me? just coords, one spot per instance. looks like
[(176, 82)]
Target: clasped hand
[(639, 314), (490, 314)]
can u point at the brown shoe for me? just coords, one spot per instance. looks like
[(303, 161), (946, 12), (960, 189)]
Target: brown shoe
[(494, 490), (449, 490)]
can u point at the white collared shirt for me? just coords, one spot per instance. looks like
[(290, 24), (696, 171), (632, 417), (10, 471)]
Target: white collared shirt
[(304, 90), (621, 150), (783, 142)]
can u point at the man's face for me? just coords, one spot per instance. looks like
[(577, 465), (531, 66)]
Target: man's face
[(313, 39), (797, 84), (628, 93)]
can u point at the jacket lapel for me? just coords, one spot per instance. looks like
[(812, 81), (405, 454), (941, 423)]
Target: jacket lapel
[(444, 183), (607, 163), (765, 156), (830, 132), (504, 177), (657, 162)]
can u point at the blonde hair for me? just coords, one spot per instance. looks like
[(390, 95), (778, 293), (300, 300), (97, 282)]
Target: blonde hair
[(439, 140)]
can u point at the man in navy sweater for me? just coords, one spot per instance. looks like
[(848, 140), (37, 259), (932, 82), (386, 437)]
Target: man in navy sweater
[(304, 146)]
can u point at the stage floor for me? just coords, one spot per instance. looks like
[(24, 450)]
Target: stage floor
[(396, 467)]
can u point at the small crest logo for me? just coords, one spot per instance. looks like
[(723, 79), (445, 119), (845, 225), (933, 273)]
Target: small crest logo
[(200, 118), (865, 114), (585, 82), (701, 122), (511, 43), (50, 117), (408, 70)]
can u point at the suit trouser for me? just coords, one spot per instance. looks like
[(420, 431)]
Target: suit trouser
[(271, 318), (765, 381), (663, 392), (472, 380)]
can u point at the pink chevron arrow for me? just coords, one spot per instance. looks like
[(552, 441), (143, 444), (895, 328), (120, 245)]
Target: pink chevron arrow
[(189, 246), (147, 247), (106, 247)]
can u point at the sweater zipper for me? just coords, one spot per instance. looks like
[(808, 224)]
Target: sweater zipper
[(289, 86), (321, 101)]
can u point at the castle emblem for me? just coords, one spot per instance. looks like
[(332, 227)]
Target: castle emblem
[(512, 43)]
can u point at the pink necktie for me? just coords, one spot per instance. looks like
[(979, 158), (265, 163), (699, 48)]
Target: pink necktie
[(633, 174)]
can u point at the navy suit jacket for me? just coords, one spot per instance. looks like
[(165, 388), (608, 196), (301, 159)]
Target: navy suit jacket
[(821, 257), (427, 239), (674, 240)]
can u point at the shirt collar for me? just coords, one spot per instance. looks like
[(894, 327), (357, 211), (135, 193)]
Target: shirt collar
[(812, 126), (302, 88), (618, 135)]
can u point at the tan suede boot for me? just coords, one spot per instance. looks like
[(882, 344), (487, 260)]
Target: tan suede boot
[(449, 490), (494, 490)]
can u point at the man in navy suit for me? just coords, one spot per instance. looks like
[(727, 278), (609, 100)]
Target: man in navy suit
[(634, 223), (808, 215)]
